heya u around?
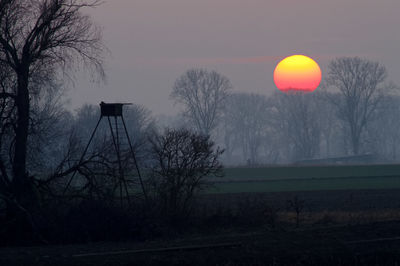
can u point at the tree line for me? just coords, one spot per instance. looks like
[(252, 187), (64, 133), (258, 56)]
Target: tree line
[(353, 112)]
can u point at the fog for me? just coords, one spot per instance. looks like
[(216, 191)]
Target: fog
[(150, 49), (153, 42), (151, 132)]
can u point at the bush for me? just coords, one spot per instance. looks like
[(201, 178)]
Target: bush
[(181, 160)]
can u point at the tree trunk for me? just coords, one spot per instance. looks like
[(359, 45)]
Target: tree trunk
[(355, 145), (26, 196), (22, 182)]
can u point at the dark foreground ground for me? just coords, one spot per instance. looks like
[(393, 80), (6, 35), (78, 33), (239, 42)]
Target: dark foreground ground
[(366, 233), (371, 244)]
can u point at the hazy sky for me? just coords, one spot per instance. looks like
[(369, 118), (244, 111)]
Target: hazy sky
[(153, 42)]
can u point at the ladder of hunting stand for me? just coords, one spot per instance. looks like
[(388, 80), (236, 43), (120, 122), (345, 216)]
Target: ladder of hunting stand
[(120, 134)]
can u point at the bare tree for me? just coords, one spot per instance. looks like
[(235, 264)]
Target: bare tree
[(38, 38), (140, 123), (203, 93), (246, 119), (361, 86), (329, 123), (297, 205), (385, 131), (296, 121), (181, 162)]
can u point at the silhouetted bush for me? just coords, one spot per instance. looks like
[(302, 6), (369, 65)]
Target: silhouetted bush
[(181, 161)]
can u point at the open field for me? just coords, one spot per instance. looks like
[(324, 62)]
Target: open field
[(351, 216), (307, 178), (343, 227), (314, 201), (324, 171)]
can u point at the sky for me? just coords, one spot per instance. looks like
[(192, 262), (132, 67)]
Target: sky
[(153, 42)]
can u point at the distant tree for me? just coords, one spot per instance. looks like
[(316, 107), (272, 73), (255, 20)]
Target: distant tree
[(247, 122), (181, 162), (330, 124), (385, 131), (360, 83), (140, 123), (85, 119), (49, 129), (203, 93), (296, 121)]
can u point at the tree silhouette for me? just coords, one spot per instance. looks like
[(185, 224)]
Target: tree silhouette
[(181, 162), (40, 40), (361, 87), (203, 93)]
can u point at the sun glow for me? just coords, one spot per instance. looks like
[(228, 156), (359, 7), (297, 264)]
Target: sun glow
[(297, 73)]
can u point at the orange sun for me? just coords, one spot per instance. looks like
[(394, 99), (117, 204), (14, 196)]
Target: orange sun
[(297, 73)]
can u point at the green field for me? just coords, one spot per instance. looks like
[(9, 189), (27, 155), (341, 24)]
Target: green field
[(307, 178)]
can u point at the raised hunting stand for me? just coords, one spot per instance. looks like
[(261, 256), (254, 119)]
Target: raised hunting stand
[(114, 110)]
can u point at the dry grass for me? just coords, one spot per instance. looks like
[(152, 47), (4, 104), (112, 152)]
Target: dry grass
[(341, 217)]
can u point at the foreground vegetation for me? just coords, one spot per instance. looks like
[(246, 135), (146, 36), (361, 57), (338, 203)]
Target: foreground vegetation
[(246, 238)]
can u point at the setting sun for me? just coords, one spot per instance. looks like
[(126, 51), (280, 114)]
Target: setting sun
[(297, 73)]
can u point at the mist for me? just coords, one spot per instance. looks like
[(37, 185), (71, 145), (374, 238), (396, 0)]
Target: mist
[(159, 133), (150, 46)]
